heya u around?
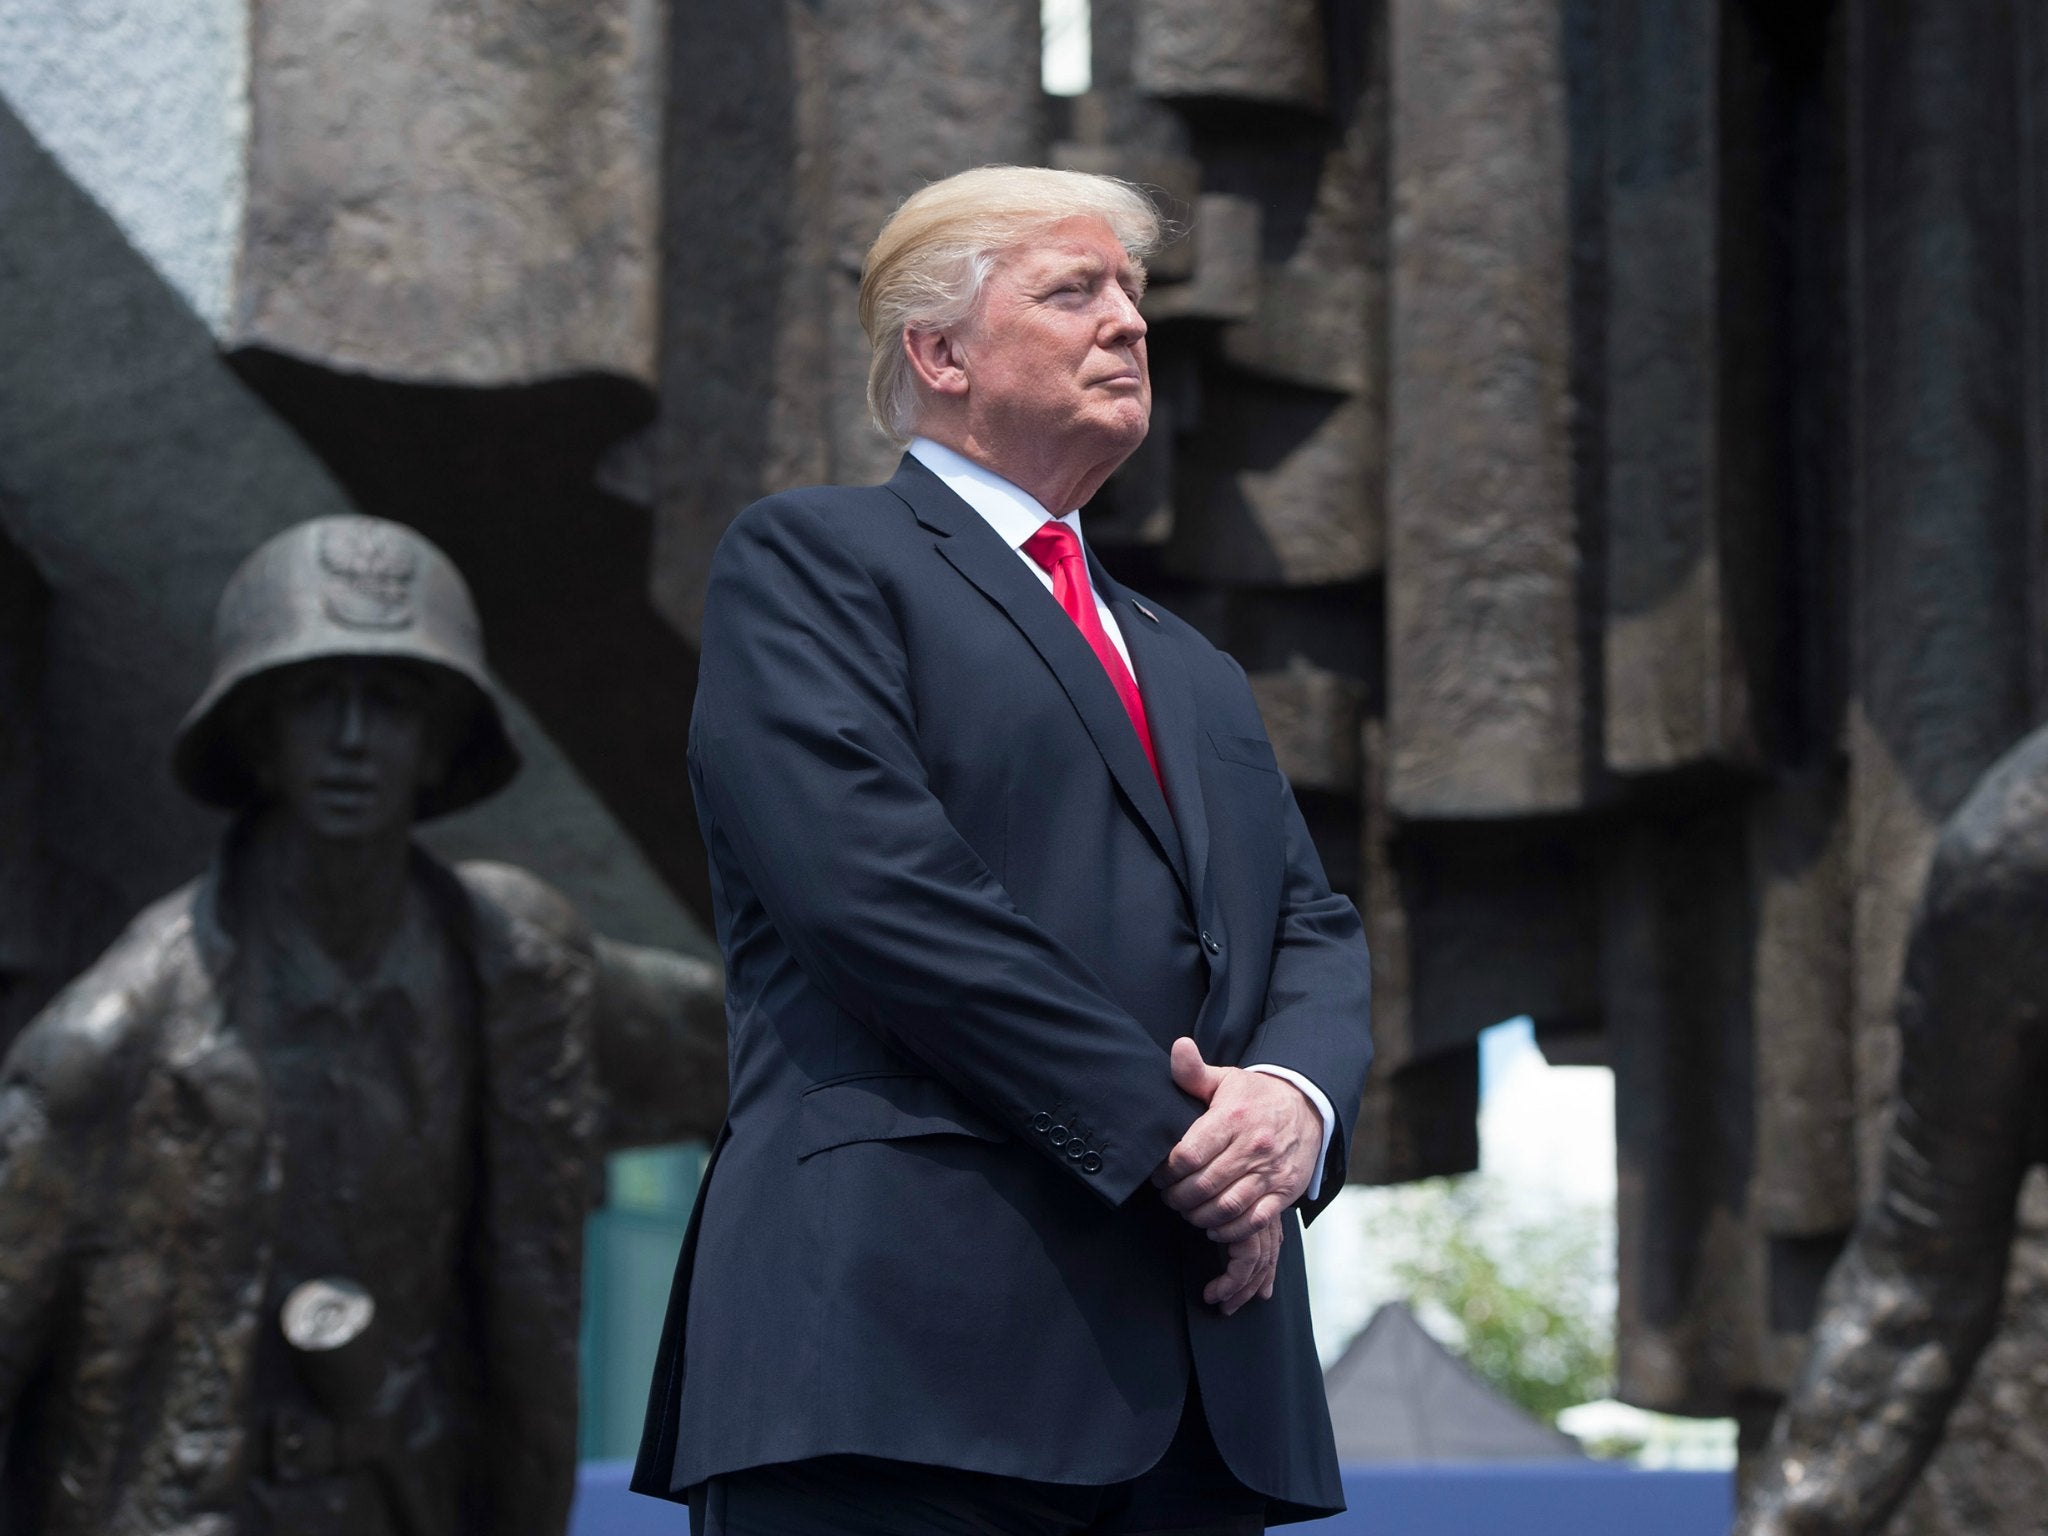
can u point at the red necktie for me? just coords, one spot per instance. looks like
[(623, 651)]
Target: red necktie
[(1058, 548)]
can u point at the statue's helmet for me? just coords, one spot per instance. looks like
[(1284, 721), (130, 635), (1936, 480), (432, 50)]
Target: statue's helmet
[(345, 587)]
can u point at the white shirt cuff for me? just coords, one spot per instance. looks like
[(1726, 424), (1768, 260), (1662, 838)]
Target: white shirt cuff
[(1321, 1100)]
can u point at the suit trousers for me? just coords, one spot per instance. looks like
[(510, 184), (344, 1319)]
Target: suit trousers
[(1189, 1492)]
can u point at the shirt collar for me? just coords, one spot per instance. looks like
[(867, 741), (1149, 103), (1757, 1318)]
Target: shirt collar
[(1013, 514)]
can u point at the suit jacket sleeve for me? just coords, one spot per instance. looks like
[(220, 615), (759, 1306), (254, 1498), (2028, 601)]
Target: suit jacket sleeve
[(804, 754), (1319, 999)]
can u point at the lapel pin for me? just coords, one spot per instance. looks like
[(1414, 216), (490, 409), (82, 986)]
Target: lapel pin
[(1144, 610)]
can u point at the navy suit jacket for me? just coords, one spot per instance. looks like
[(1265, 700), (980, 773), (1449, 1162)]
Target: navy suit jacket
[(962, 926)]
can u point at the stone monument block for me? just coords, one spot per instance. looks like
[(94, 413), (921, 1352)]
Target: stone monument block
[(465, 193), (1249, 50), (1282, 486), (1484, 658), (1679, 689), (1221, 280)]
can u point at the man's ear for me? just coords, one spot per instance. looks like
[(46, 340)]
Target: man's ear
[(937, 360)]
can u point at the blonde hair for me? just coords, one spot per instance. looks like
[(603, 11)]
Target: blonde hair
[(926, 268)]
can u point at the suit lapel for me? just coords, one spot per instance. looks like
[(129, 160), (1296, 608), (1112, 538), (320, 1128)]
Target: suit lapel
[(1170, 711), (972, 548)]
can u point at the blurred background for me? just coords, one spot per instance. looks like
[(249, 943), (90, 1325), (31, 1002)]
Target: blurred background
[(1609, 432)]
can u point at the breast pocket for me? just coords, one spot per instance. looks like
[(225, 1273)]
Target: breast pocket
[(1251, 751), (884, 1106)]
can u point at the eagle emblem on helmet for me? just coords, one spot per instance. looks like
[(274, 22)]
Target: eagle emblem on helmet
[(369, 572)]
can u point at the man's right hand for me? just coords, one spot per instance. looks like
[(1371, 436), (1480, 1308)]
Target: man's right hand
[(1253, 1258)]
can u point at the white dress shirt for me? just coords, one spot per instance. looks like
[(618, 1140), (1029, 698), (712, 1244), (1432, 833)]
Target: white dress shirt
[(1016, 516)]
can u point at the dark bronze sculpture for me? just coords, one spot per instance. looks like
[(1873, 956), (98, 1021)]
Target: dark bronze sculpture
[(1916, 1296), (292, 1180)]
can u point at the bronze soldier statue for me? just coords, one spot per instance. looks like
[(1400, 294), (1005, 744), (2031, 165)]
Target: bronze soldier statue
[(293, 1179), (1915, 1297)]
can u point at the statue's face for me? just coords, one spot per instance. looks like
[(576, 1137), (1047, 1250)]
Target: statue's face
[(347, 744)]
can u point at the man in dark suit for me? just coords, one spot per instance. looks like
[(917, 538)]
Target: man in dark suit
[(1043, 1017)]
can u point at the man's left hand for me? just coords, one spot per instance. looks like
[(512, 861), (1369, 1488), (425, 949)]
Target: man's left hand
[(1248, 1271), (1249, 1156)]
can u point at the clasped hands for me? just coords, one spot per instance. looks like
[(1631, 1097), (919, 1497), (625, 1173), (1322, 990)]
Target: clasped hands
[(1247, 1158)]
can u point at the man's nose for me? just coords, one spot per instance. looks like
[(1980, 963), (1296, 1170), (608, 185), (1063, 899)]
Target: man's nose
[(1127, 326)]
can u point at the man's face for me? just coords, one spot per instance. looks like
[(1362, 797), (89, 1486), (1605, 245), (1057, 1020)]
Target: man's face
[(1056, 352), (345, 745)]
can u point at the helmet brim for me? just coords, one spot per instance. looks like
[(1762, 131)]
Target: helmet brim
[(212, 766)]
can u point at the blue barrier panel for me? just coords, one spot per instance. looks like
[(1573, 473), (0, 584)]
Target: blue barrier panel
[(1548, 1498), (1482, 1499), (606, 1507)]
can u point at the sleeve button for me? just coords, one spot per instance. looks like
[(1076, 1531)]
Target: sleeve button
[(1077, 1149), (1058, 1135), (1041, 1122), (1092, 1163)]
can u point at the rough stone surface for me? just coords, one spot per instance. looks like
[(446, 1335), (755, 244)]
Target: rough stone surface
[(1676, 937), (1316, 327), (1484, 660), (1678, 689), (465, 193), (1116, 113), (1222, 277), (1308, 327), (1320, 318), (145, 105), (1253, 50), (1280, 485), (1805, 1060), (1501, 921), (1420, 1115)]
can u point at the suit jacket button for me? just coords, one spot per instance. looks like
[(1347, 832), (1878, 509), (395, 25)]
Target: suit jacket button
[(1077, 1149), (1058, 1135), (1092, 1163), (1210, 944), (1041, 1122)]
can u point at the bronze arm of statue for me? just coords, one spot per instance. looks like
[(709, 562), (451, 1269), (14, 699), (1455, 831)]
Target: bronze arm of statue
[(1916, 1294), (660, 1044), (657, 1018)]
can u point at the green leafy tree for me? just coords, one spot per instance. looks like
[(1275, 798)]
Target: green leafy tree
[(1523, 1299)]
